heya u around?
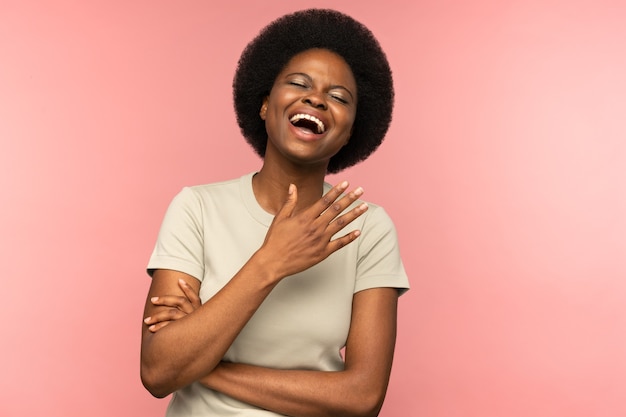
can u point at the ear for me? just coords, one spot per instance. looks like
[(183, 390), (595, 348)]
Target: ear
[(263, 110)]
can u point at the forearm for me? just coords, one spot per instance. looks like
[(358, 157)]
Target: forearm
[(191, 347), (301, 393), (359, 390)]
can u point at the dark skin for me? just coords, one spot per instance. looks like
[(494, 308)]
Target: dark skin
[(290, 183)]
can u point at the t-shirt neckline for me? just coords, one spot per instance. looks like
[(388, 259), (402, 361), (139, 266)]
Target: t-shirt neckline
[(253, 206)]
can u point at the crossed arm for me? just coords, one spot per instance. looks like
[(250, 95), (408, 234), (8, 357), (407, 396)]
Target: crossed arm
[(184, 341)]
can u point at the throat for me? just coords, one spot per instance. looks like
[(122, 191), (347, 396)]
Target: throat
[(271, 190)]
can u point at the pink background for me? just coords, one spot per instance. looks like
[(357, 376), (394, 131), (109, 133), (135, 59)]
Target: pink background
[(503, 170)]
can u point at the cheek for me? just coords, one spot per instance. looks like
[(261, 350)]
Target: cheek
[(349, 121), (271, 118)]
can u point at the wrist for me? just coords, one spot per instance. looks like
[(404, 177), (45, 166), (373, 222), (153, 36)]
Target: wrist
[(216, 378), (265, 269)]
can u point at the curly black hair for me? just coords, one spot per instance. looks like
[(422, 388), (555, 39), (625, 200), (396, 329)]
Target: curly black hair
[(268, 53)]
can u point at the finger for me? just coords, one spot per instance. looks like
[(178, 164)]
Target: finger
[(290, 204), (156, 327), (342, 221), (336, 244), (337, 207), (329, 198), (169, 314), (191, 295), (173, 301)]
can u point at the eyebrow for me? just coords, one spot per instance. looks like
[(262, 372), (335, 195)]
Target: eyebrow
[(332, 87)]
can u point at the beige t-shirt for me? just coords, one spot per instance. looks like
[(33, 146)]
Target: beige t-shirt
[(210, 231)]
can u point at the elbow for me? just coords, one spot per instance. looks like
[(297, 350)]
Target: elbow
[(369, 406), (153, 382), (358, 404), (366, 401)]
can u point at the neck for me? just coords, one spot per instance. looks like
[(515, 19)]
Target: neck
[(271, 185)]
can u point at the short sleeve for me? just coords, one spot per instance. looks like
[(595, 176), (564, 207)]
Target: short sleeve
[(379, 263), (180, 242)]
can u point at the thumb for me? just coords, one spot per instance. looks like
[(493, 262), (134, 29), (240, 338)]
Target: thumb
[(290, 203)]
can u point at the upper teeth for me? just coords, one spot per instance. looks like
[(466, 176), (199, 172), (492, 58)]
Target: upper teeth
[(320, 124)]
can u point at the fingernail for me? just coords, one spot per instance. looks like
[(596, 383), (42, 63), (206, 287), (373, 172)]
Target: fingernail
[(154, 299), (358, 191), (344, 184), (146, 320), (182, 281)]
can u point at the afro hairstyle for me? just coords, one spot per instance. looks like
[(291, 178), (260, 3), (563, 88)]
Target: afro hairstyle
[(269, 52)]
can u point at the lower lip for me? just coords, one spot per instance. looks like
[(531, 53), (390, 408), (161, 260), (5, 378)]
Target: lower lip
[(305, 135)]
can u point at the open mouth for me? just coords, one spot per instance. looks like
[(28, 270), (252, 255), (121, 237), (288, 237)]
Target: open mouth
[(308, 122)]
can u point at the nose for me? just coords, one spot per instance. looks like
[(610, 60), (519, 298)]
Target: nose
[(315, 100)]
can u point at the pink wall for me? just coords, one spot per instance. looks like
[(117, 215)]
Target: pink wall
[(504, 172)]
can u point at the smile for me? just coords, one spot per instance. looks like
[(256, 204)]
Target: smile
[(306, 121)]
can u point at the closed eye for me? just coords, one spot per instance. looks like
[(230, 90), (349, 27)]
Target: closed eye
[(339, 99)]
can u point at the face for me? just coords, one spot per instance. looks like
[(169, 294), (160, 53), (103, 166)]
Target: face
[(311, 108)]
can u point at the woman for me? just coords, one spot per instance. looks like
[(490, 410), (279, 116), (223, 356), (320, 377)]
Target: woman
[(259, 283)]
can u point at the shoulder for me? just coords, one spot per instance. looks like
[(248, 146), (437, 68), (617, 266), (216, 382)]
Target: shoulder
[(213, 191), (193, 202), (376, 217), (377, 230), (203, 190)]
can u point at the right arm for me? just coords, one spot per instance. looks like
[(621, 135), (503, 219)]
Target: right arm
[(189, 348)]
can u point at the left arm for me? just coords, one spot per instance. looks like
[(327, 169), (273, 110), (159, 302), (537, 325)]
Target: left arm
[(358, 390)]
